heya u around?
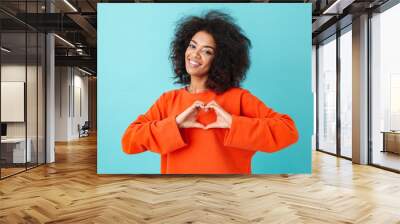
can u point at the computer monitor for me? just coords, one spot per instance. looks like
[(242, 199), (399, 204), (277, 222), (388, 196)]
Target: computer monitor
[(3, 129)]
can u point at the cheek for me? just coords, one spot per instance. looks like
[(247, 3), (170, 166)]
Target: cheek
[(186, 54), (209, 62)]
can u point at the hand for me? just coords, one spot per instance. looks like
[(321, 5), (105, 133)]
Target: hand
[(224, 119), (188, 118)]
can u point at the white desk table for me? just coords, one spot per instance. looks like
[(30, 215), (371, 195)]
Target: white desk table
[(19, 149)]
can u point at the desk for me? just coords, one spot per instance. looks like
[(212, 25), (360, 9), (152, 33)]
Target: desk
[(391, 141), (17, 150)]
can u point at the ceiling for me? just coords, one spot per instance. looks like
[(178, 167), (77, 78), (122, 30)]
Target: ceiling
[(76, 22)]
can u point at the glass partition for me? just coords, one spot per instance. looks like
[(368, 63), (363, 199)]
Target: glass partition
[(22, 77)]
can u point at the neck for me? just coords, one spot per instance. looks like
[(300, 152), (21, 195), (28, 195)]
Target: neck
[(198, 84)]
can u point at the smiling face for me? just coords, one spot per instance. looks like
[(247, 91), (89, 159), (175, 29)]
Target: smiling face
[(199, 54)]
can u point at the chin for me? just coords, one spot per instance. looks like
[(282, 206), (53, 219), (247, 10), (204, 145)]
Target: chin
[(196, 74)]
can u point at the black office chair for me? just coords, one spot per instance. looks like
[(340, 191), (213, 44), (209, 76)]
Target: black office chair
[(84, 130)]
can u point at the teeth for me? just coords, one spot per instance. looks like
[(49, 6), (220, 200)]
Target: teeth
[(193, 63)]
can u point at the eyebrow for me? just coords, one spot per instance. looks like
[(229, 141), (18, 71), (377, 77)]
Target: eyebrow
[(204, 46)]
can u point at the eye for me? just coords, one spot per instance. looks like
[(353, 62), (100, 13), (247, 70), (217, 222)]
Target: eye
[(208, 52), (192, 46)]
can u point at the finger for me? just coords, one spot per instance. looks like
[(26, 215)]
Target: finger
[(199, 103), (192, 117), (209, 105), (193, 125), (213, 102), (195, 107), (213, 105), (188, 114), (214, 125), (217, 109), (196, 125), (191, 110)]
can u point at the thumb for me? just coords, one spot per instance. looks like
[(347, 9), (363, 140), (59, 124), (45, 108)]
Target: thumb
[(213, 125), (197, 125)]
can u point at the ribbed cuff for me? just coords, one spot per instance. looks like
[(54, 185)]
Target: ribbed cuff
[(170, 135)]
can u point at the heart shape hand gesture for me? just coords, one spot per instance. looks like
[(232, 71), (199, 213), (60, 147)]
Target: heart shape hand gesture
[(188, 118), (224, 119)]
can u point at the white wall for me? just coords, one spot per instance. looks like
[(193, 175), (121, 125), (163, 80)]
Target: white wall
[(80, 83), (62, 82), (71, 102)]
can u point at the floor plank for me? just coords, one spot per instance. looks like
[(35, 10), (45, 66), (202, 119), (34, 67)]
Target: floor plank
[(70, 191)]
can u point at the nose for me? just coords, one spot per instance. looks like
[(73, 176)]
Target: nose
[(196, 53)]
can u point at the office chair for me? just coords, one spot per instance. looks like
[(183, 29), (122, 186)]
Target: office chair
[(84, 130)]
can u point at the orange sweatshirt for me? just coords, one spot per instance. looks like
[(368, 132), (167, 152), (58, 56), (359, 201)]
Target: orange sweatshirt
[(255, 127)]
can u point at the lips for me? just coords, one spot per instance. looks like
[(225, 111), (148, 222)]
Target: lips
[(193, 63)]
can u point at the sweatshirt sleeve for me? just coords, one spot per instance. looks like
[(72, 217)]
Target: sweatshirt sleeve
[(260, 128), (154, 131)]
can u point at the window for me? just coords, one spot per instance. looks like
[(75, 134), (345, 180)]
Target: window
[(327, 95), (385, 88), (346, 92)]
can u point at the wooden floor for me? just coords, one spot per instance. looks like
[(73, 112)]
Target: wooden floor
[(388, 159), (70, 191), (5, 172)]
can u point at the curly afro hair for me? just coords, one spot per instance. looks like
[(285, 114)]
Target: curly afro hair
[(231, 62)]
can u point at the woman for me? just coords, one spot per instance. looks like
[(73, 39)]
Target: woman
[(211, 125)]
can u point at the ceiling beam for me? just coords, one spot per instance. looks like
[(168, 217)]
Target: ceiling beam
[(337, 6)]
